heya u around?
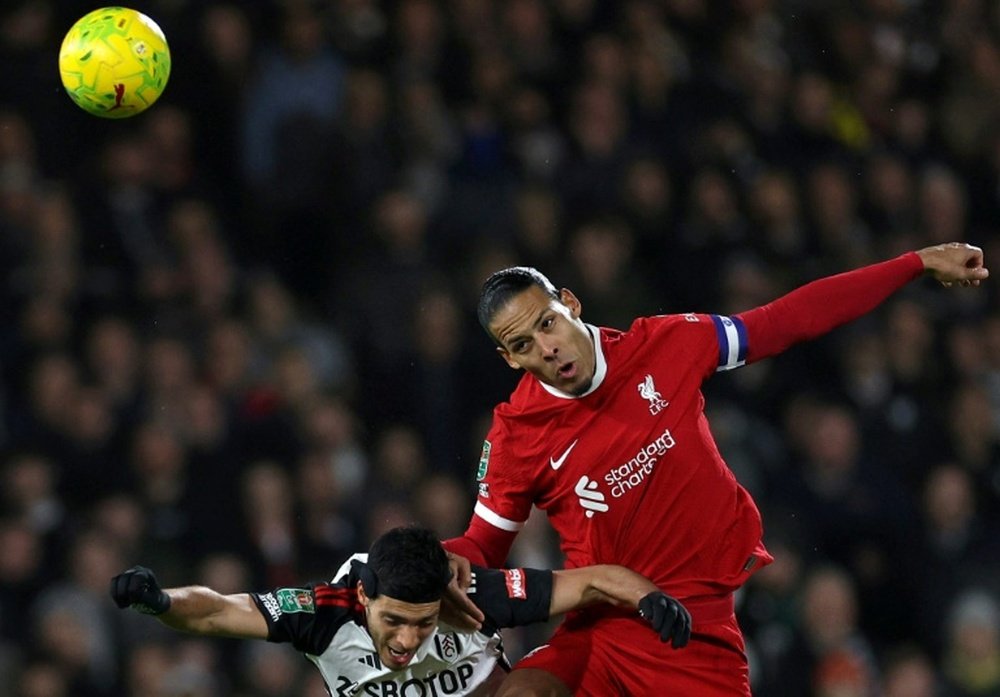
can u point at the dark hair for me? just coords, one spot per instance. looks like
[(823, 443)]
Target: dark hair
[(409, 564), (503, 285)]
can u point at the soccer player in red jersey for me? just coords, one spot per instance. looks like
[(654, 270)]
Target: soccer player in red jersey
[(606, 432)]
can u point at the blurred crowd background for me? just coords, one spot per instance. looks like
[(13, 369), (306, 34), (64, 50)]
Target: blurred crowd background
[(239, 332)]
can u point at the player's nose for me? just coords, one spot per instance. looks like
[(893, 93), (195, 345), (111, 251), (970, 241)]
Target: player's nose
[(548, 346), (409, 638)]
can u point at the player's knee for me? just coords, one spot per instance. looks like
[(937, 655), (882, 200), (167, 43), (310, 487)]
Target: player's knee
[(530, 682)]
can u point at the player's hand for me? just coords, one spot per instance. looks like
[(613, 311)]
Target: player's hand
[(954, 263), (669, 618), (137, 588), (461, 570), (456, 607)]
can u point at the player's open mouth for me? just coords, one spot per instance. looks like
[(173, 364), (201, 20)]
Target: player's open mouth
[(567, 370), (400, 657)]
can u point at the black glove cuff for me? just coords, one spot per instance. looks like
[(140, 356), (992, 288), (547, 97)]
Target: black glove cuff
[(646, 605), (156, 606)]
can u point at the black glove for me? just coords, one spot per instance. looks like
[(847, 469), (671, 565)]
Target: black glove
[(137, 588), (669, 618)]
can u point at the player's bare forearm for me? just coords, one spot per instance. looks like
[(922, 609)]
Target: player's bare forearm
[(201, 610), (954, 263), (576, 588)]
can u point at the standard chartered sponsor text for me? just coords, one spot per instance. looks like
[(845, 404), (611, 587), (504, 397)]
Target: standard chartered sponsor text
[(626, 477)]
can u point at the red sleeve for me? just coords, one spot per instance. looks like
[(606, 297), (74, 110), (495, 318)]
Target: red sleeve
[(818, 307), (482, 543)]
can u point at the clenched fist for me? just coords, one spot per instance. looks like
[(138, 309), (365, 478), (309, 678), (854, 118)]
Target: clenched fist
[(669, 618), (137, 588)]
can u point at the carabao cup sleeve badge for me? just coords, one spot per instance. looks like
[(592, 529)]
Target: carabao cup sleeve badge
[(484, 461)]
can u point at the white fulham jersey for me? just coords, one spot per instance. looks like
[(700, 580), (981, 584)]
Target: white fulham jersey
[(326, 622)]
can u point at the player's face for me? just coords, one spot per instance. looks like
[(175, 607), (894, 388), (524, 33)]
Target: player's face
[(546, 337), (398, 629)]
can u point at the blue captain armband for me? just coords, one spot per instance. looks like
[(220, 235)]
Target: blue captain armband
[(732, 334)]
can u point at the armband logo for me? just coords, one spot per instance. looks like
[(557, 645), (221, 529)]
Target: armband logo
[(516, 586), (272, 606), (292, 600), (484, 461)]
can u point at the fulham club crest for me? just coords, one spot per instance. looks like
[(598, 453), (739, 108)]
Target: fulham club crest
[(447, 646)]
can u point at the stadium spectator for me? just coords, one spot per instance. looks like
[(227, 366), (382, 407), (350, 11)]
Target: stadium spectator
[(909, 672), (292, 101), (972, 652), (602, 263), (954, 550), (434, 396), (842, 657), (859, 513), (71, 621)]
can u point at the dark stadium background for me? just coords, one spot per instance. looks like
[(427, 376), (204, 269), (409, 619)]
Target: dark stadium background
[(239, 335)]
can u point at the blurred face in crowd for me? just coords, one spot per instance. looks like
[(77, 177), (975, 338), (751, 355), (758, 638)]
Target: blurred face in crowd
[(546, 337), (398, 628)]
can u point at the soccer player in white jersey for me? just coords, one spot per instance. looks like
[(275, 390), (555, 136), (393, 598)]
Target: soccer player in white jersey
[(375, 630)]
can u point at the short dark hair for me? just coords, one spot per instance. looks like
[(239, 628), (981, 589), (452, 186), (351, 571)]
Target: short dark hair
[(410, 564), (503, 285)]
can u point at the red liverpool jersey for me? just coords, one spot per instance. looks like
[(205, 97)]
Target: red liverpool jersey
[(629, 473)]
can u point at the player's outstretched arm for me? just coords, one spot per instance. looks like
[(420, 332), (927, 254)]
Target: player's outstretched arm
[(194, 609), (954, 263), (824, 304), (576, 588)]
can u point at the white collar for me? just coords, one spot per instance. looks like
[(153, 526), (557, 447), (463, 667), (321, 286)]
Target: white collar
[(600, 368)]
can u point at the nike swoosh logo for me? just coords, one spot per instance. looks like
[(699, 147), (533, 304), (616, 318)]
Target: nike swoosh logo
[(556, 464)]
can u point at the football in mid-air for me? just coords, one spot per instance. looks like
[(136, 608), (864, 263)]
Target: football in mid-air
[(114, 62)]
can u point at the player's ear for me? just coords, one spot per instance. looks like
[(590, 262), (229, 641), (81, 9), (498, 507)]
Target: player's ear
[(573, 303), (362, 596), (505, 354)]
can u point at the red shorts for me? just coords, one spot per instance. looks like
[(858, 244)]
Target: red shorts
[(602, 652)]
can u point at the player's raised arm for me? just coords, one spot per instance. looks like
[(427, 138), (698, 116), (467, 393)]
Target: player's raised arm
[(822, 305), (576, 588), (194, 609)]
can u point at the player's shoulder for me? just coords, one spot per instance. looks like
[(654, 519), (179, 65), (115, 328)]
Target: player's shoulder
[(308, 616), (527, 404), (338, 596), (520, 428), (653, 324), (335, 597), (344, 571), (660, 328), (313, 598)]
